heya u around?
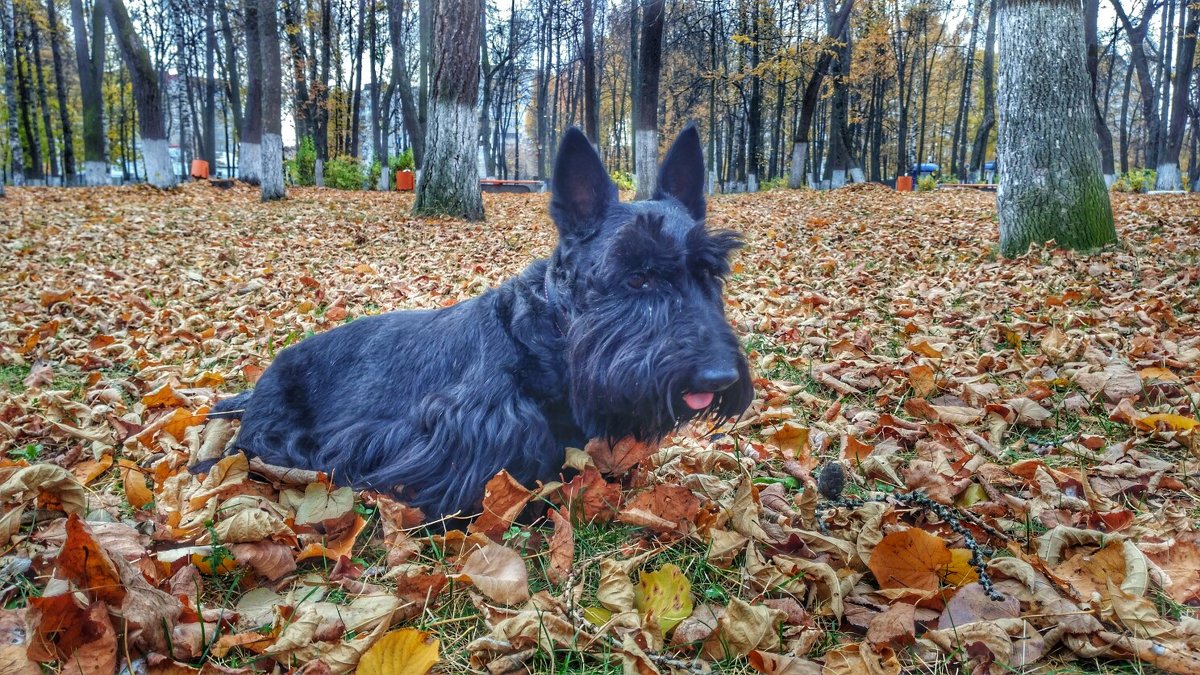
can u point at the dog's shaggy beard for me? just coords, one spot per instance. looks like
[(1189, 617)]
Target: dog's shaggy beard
[(628, 375)]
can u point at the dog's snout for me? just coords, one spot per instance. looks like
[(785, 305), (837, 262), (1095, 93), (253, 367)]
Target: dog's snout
[(716, 378)]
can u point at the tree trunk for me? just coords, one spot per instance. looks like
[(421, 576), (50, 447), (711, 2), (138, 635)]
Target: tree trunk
[(60, 88), (233, 88), (1051, 187), (979, 147), (320, 94), (33, 169), (485, 107), (1092, 35), (301, 105), (43, 99), (1169, 177), (649, 70), (754, 153), (209, 114), (408, 106), (272, 75), (591, 102), (449, 184), (17, 170), (808, 103), (147, 94), (250, 135), (1137, 54), (356, 83), (89, 61)]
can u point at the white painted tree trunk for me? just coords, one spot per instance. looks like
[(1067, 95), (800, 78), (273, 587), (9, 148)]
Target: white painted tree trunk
[(1168, 177), (319, 173), (250, 162), (157, 159), (751, 182), (799, 157), (271, 175), (1051, 186), (95, 173), (1109, 179), (837, 178), (857, 175), (449, 183), (646, 141)]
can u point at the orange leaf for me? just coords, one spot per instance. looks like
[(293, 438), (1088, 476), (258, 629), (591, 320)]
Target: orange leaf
[(92, 469), (85, 563), (334, 548), (562, 546), (909, 558), (503, 500), (136, 493), (163, 397)]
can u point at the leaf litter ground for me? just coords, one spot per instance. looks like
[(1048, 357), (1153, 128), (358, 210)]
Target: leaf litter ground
[(1035, 420)]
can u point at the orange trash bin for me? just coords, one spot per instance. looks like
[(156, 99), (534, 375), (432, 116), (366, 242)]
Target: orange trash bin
[(199, 169)]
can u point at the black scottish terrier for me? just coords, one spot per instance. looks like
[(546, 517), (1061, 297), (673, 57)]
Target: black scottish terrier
[(622, 332)]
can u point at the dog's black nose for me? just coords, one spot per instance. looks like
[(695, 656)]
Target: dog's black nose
[(716, 379)]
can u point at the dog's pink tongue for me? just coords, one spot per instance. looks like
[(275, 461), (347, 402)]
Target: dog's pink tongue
[(698, 400)]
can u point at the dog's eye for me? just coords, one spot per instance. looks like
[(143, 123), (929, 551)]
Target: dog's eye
[(638, 281)]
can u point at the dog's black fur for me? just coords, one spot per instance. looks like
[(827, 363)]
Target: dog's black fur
[(622, 332)]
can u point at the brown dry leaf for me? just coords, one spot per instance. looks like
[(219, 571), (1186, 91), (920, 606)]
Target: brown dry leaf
[(503, 500), (270, 559), (921, 379), (13, 638), (136, 493), (674, 507), (223, 479), (590, 498), (619, 458), (562, 546), (89, 470), (909, 558), (498, 572), (401, 652), (782, 664), (45, 479), (83, 562), (743, 628), (895, 627), (164, 397), (325, 508), (859, 659)]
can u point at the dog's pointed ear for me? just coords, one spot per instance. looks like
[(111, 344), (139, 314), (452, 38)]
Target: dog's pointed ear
[(581, 189), (682, 173)]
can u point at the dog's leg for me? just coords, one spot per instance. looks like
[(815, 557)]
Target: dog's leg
[(457, 442)]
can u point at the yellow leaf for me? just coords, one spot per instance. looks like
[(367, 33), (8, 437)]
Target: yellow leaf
[(224, 563), (664, 597), (959, 571), (597, 616), (407, 651), (1172, 422)]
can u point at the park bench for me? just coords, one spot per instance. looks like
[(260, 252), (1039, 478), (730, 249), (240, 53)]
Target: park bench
[(497, 185)]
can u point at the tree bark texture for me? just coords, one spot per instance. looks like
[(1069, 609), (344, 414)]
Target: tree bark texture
[(250, 135), (17, 157), (146, 93), (1169, 177), (271, 171), (1051, 187), (449, 183), (89, 61), (60, 87), (646, 110), (408, 105)]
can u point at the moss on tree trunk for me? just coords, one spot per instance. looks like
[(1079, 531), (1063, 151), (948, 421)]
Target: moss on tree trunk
[(1051, 185)]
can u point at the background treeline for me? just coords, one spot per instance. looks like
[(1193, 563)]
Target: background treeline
[(818, 92)]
